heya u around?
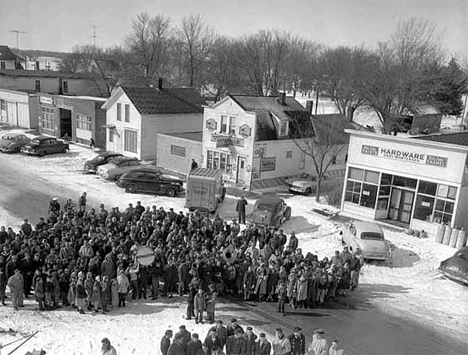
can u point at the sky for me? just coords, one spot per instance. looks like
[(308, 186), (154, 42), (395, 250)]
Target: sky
[(61, 24)]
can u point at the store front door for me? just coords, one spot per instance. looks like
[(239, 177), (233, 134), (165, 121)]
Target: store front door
[(401, 205), (241, 170)]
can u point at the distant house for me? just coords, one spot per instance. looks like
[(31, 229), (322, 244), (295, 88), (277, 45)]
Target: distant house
[(253, 138), (8, 59), (46, 63), (135, 116), (51, 82), (18, 109)]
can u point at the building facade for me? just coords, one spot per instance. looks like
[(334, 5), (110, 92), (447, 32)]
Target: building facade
[(417, 182), (135, 116), (79, 118), (19, 109), (8, 59), (253, 138), (175, 151)]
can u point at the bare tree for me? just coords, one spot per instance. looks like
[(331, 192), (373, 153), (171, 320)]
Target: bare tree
[(196, 38), (323, 145), (149, 44)]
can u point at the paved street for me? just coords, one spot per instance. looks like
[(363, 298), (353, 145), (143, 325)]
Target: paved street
[(362, 328)]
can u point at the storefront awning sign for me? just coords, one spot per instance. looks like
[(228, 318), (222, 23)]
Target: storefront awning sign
[(226, 141), (404, 155)]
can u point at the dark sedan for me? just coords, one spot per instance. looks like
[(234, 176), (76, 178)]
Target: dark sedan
[(45, 145), (90, 167), (456, 267), (270, 211), (13, 142), (149, 180)]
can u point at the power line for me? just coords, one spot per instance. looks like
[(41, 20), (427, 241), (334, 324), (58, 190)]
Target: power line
[(17, 38), (94, 35)]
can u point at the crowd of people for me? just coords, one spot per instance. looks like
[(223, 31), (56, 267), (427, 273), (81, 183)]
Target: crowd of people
[(233, 340), (85, 258)]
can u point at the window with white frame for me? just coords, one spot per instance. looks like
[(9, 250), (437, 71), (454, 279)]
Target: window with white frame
[(47, 118), (435, 202), (302, 161), (218, 161), (224, 124), (84, 122), (111, 136), (127, 113), (362, 186), (283, 128), (232, 125), (130, 141), (178, 150), (65, 86), (289, 154), (3, 108), (119, 112)]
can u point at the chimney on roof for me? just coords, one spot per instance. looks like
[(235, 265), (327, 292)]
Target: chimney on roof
[(309, 106), (283, 98), (160, 83)]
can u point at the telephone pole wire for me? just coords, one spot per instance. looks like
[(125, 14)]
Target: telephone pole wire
[(17, 38), (94, 35)]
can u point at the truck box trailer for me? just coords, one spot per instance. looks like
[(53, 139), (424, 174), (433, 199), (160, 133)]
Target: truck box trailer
[(204, 190)]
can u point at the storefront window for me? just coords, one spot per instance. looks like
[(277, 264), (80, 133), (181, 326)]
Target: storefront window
[(222, 165), (368, 195), (386, 179), (443, 211), (353, 191), (385, 190), (404, 182), (371, 176), (218, 160), (355, 174), (446, 191), (382, 203), (427, 188), (47, 118), (424, 207)]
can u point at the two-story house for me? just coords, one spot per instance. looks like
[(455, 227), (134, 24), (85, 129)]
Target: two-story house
[(254, 138), (135, 116), (8, 59)]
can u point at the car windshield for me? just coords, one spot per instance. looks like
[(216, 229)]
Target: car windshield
[(372, 236), (462, 255), (266, 207), (8, 137)]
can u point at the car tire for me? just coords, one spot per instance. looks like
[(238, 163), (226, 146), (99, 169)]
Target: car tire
[(131, 189), (42, 153), (170, 192), (287, 213), (17, 150), (308, 191), (64, 150)]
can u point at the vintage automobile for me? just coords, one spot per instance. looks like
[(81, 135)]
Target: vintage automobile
[(368, 237), (13, 142), (150, 180), (118, 166), (456, 267), (45, 145), (270, 211), (90, 167), (306, 186)]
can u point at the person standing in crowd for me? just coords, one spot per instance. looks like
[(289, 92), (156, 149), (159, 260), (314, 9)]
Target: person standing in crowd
[(16, 288), (240, 209), (194, 164), (39, 291), (82, 201), (318, 346), (186, 336), (195, 346), (220, 331), (191, 302), (199, 305), (236, 344), (263, 346), (166, 342), (250, 341), (177, 347), (231, 328), (3, 285), (211, 300), (282, 297), (107, 348), (97, 294), (92, 144), (335, 348), (356, 264), (297, 341), (80, 294), (293, 242), (212, 343), (123, 285), (281, 344)]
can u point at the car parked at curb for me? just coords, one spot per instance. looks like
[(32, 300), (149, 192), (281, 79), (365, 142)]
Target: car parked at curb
[(91, 166), (270, 211), (308, 185), (41, 146), (456, 267), (150, 180), (118, 166), (369, 238), (13, 142)]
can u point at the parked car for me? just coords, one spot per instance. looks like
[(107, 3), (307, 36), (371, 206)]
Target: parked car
[(13, 142), (45, 145), (308, 185), (90, 167), (116, 167), (270, 211), (368, 237), (150, 180), (456, 267)]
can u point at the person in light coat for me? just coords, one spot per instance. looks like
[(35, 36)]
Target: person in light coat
[(281, 344), (199, 305), (318, 346), (107, 348), (15, 283), (123, 285), (335, 349)]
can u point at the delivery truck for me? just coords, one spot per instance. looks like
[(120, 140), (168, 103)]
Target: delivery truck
[(204, 190)]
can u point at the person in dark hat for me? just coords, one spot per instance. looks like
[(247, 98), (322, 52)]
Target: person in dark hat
[(297, 341), (166, 341), (211, 300), (231, 328), (177, 347), (281, 344), (251, 341), (195, 346), (220, 331), (240, 209), (107, 348), (236, 344), (186, 336), (318, 346), (263, 346)]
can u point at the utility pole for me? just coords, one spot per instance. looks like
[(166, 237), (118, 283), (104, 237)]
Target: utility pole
[(17, 38), (94, 35)]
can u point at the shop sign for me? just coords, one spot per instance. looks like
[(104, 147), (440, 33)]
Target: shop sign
[(211, 124), (245, 131), (268, 164), (259, 152), (226, 141), (46, 100), (399, 154)]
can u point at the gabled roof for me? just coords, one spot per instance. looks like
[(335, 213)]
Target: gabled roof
[(268, 103), (46, 74), (331, 128), (7, 54), (149, 100)]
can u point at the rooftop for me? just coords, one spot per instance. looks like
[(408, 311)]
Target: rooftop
[(331, 128), (150, 100), (458, 138), (7, 54), (44, 74), (192, 136)]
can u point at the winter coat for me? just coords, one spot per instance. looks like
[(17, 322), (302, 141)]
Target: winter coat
[(97, 290), (301, 287), (291, 287), (249, 281), (211, 343), (15, 284), (123, 283), (170, 278), (250, 343), (318, 346), (165, 344), (211, 301), (176, 348), (114, 290), (263, 348), (195, 347), (89, 284), (297, 344), (237, 346), (199, 302), (108, 268), (39, 289), (281, 346)]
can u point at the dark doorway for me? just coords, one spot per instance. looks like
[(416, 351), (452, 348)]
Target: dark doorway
[(65, 123), (401, 205)]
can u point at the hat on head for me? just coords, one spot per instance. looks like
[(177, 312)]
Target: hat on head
[(105, 340), (319, 331), (262, 335), (233, 320), (238, 331), (219, 321), (249, 328), (297, 329), (168, 332)]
